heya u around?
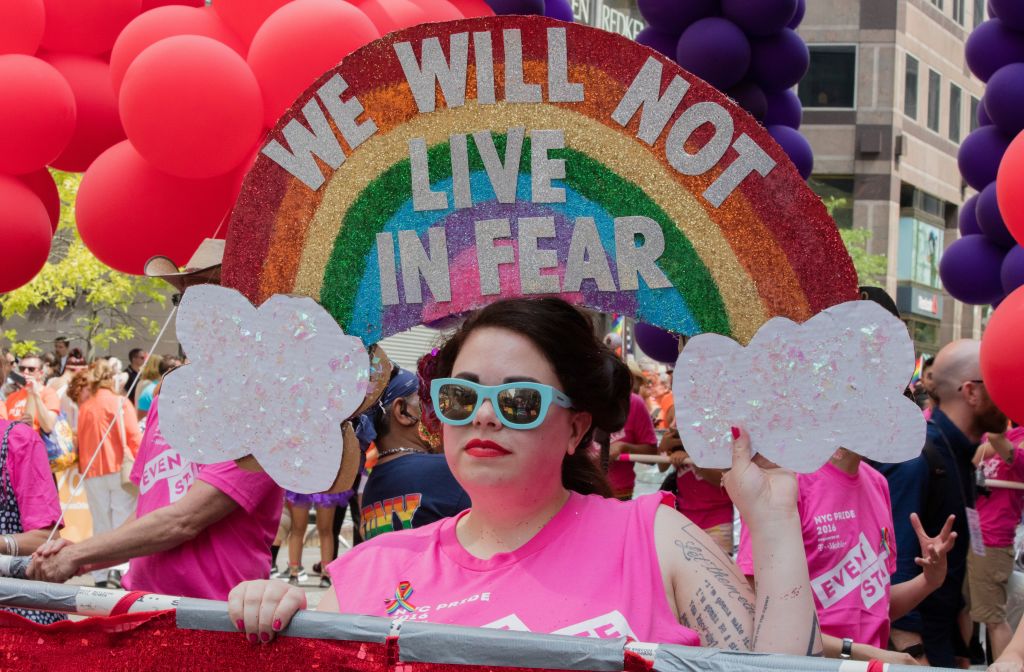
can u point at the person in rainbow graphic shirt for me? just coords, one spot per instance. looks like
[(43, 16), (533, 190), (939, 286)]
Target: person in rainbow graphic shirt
[(519, 388)]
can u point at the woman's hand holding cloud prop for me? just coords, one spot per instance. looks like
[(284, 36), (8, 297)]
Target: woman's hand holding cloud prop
[(274, 382), (802, 390)]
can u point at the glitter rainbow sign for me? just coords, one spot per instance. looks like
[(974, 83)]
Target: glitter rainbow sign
[(447, 165)]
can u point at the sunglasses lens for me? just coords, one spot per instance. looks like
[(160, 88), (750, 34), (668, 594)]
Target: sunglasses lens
[(520, 405), (456, 402)]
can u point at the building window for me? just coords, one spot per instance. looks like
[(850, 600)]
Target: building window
[(975, 104), (934, 96), (937, 3), (954, 112), (837, 195), (831, 79), (979, 12), (958, 11), (910, 88), (924, 334)]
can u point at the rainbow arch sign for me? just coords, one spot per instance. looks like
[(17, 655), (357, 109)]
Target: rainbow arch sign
[(448, 165)]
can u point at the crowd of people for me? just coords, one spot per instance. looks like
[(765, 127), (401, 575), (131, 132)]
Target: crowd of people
[(485, 496)]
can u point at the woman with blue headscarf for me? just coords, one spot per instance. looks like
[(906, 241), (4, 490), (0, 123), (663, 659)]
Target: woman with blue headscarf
[(410, 485)]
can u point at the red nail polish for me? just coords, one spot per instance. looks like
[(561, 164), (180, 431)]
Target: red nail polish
[(265, 637), (735, 433), (240, 624), (252, 638), (277, 624)]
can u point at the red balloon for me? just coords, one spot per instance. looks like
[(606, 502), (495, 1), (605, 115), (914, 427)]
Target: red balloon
[(300, 42), (472, 8), (151, 27), (37, 113), (128, 212), (97, 124), (439, 10), (86, 26), (21, 26), (42, 185), (191, 106), (1002, 364), (392, 15), (153, 4), (25, 230), (1010, 188), (244, 17)]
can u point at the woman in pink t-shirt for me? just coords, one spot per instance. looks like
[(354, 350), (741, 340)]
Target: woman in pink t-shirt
[(519, 388)]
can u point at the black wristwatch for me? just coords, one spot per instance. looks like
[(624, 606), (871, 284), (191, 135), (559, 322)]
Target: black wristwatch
[(847, 649)]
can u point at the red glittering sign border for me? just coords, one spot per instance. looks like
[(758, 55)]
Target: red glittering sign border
[(786, 255)]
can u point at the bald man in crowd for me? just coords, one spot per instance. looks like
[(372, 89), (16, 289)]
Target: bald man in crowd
[(938, 484)]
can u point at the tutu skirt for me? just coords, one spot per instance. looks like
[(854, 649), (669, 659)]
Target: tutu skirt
[(320, 499)]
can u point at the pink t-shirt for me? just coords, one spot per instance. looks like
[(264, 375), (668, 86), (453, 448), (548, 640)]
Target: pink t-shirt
[(592, 572), (31, 479), (1000, 511), (638, 429), (851, 551), (706, 504), (234, 549)]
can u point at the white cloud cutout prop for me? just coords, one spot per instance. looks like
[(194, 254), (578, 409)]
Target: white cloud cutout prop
[(802, 390), (274, 382)]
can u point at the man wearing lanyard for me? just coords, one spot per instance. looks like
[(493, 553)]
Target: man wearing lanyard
[(935, 485)]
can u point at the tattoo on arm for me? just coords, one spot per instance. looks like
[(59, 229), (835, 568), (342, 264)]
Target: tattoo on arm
[(760, 622)]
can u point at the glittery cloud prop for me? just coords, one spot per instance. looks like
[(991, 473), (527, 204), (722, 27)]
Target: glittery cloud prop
[(802, 390), (274, 382)]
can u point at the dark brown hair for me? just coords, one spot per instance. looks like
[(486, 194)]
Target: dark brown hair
[(591, 375)]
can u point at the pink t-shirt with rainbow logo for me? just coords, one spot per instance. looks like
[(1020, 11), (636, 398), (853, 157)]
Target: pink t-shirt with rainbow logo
[(851, 551), (590, 572)]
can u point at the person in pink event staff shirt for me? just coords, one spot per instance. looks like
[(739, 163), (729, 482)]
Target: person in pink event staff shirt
[(637, 436), (519, 388), (1001, 458), (848, 537), (197, 531)]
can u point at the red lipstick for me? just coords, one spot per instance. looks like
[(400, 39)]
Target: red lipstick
[(481, 448)]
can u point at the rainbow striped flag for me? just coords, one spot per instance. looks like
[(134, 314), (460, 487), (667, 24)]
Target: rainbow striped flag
[(918, 370)]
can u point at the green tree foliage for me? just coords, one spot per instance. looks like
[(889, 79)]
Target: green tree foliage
[(73, 279), (871, 268)]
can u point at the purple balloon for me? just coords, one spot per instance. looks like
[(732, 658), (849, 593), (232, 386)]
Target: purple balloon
[(559, 9), (659, 41), (784, 109), (990, 221), (760, 17), (1012, 272), (517, 6), (796, 147), (983, 118), (1010, 12), (980, 154), (801, 9), (968, 224), (751, 98), (991, 46), (657, 343), (780, 61), (715, 50), (970, 270), (1004, 98), (672, 16)]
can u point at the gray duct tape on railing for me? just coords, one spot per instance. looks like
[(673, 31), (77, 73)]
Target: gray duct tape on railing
[(457, 645), (194, 614), (670, 658), (37, 595)]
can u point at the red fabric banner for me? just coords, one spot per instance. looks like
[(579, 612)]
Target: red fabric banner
[(152, 642)]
